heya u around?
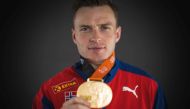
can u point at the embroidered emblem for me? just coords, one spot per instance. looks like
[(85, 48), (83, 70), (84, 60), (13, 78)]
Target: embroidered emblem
[(125, 88), (69, 95), (64, 85)]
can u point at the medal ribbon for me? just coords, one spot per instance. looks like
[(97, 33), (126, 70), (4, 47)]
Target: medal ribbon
[(104, 68)]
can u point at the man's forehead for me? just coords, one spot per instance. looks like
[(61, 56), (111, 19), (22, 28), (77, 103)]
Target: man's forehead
[(97, 24), (102, 20)]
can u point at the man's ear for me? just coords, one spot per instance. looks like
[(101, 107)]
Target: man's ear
[(118, 33), (73, 35)]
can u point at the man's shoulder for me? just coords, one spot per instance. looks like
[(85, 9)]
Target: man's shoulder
[(128, 68), (136, 75), (66, 79), (66, 74)]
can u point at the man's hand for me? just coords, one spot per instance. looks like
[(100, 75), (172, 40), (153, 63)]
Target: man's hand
[(76, 103)]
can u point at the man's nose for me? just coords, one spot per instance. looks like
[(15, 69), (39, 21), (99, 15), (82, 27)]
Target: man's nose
[(96, 36)]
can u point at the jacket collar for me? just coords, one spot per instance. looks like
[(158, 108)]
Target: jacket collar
[(85, 70)]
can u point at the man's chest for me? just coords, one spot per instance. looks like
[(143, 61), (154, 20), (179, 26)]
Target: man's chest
[(127, 92)]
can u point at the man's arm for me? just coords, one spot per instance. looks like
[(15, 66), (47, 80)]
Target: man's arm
[(160, 100), (41, 101)]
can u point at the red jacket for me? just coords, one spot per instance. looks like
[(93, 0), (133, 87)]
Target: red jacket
[(132, 88)]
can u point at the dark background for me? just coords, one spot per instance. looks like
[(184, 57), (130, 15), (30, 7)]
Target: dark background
[(36, 44)]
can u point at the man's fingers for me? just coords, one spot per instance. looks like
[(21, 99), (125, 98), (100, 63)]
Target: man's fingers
[(77, 106), (76, 103), (78, 100)]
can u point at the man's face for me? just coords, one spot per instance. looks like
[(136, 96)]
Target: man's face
[(95, 33)]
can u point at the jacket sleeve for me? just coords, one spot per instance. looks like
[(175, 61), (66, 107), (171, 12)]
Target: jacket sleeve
[(160, 100), (41, 101)]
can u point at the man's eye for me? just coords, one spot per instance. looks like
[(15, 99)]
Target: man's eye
[(84, 29), (105, 28)]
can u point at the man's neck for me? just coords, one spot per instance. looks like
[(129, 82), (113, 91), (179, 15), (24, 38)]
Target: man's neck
[(96, 64)]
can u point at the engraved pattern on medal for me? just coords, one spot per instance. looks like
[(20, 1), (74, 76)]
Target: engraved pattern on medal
[(97, 93)]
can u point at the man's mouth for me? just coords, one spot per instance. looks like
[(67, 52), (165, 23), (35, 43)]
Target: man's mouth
[(96, 48)]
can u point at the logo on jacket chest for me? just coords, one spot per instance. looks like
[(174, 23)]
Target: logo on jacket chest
[(64, 85), (133, 91)]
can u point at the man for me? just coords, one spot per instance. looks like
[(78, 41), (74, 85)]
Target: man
[(95, 32)]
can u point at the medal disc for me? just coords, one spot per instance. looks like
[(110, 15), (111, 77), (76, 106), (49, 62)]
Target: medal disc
[(97, 93)]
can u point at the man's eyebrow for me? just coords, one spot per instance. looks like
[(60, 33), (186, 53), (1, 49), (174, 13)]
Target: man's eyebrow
[(90, 26), (82, 26), (106, 24)]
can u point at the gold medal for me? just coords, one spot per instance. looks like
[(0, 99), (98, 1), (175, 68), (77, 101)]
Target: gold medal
[(97, 93)]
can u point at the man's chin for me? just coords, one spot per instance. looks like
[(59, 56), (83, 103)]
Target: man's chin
[(96, 60)]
